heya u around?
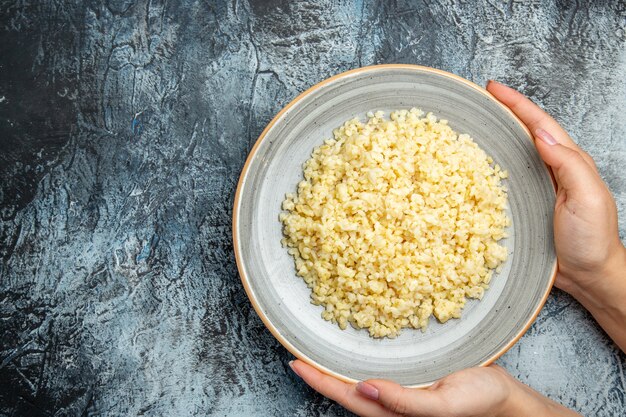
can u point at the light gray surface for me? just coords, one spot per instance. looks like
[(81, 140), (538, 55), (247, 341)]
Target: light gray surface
[(414, 358), (127, 125)]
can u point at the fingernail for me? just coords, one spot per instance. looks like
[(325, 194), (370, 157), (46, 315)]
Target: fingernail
[(367, 390), (545, 137), (293, 368)]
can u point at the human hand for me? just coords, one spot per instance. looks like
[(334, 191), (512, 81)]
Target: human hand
[(585, 217), (591, 257), (488, 392)]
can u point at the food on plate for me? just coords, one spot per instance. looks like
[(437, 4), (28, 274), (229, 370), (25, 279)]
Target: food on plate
[(395, 221)]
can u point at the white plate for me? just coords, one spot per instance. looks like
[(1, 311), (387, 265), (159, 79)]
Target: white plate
[(488, 327)]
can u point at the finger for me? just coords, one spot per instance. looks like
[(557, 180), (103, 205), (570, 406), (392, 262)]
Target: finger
[(497, 368), (341, 392), (533, 116), (405, 401), (570, 169)]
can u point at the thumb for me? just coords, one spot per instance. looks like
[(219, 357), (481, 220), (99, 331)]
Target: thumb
[(401, 400), (571, 170)]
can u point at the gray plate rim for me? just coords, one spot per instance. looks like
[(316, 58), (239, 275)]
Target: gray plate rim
[(245, 170)]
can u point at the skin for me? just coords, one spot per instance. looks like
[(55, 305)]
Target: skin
[(591, 257), (591, 267)]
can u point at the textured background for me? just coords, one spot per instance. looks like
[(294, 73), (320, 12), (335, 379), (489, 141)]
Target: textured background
[(123, 129)]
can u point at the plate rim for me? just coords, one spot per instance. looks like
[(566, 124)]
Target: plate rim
[(244, 172)]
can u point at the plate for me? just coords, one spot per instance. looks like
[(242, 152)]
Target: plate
[(274, 167)]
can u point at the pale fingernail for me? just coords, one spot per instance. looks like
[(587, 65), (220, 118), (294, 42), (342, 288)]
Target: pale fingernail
[(293, 368), (367, 390), (545, 137)]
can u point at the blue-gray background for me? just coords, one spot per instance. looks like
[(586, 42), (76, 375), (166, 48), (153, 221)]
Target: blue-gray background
[(123, 129)]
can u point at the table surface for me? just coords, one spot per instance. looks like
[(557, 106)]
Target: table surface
[(124, 127)]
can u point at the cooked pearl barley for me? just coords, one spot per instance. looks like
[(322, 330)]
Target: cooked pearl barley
[(396, 220)]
